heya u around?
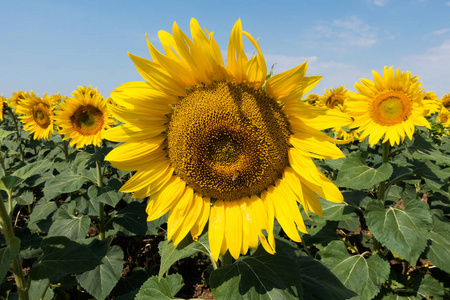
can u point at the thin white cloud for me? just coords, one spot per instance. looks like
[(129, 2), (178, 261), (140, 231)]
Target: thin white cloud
[(448, 3), (433, 67), (344, 32), (380, 2), (440, 31)]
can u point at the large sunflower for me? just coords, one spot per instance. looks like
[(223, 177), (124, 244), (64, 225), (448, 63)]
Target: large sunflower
[(445, 101), (83, 118), (208, 142), (36, 114), (390, 105)]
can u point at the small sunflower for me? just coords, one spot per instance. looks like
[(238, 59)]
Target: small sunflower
[(312, 99), (232, 152), (83, 118), (444, 117), (390, 105), (16, 98), (334, 97), (431, 101), (445, 101), (36, 115), (2, 104)]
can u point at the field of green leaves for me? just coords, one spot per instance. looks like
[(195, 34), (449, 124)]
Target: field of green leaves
[(68, 233)]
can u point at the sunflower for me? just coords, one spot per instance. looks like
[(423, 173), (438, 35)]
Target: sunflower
[(209, 143), (2, 103), (36, 114), (334, 97), (445, 101), (444, 117), (390, 105), (83, 118), (312, 99), (431, 100), (16, 98)]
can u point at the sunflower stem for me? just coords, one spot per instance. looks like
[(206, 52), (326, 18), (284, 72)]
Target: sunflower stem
[(382, 189), (101, 207), (16, 265), (66, 149), (22, 154)]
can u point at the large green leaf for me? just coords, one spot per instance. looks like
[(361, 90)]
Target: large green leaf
[(425, 149), (40, 290), (319, 283), (439, 249), (7, 254), (132, 220), (361, 275), (4, 134), (66, 182), (100, 281), (67, 222), (108, 194), (34, 168), (160, 289), (401, 230), (355, 174), (63, 256), (260, 276), (170, 254), (337, 211)]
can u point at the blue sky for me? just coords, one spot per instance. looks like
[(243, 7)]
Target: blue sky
[(55, 46)]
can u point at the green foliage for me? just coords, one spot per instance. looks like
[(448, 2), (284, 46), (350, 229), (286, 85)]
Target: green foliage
[(82, 237), (159, 289), (358, 273), (402, 230)]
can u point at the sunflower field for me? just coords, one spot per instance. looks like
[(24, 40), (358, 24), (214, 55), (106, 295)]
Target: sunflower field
[(215, 179)]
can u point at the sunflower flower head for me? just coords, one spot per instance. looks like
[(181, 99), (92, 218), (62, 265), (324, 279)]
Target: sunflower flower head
[(2, 105), (312, 99), (16, 98), (83, 117), (444, 117), (228, 153), (390, 106), (36, 115), (431, 101), (334, 97), (445, 101)]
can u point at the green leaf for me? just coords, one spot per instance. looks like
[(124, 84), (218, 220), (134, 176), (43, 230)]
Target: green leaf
[(34, 168), (67, 222), (4, 134), (108, 194), (132, 220), (40, 217), (7, 254), (40, 290), (100, 281), (401, 230), (428, 287), (424, 149), (337, 211), (355, 174), (66, 182), (63, 256), (259, 276), (9, 182), (186, 248), (166, 288), (439, 249), (361, 275), (319, 283)]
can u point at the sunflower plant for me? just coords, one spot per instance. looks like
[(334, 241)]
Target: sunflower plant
[(218, 181)]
